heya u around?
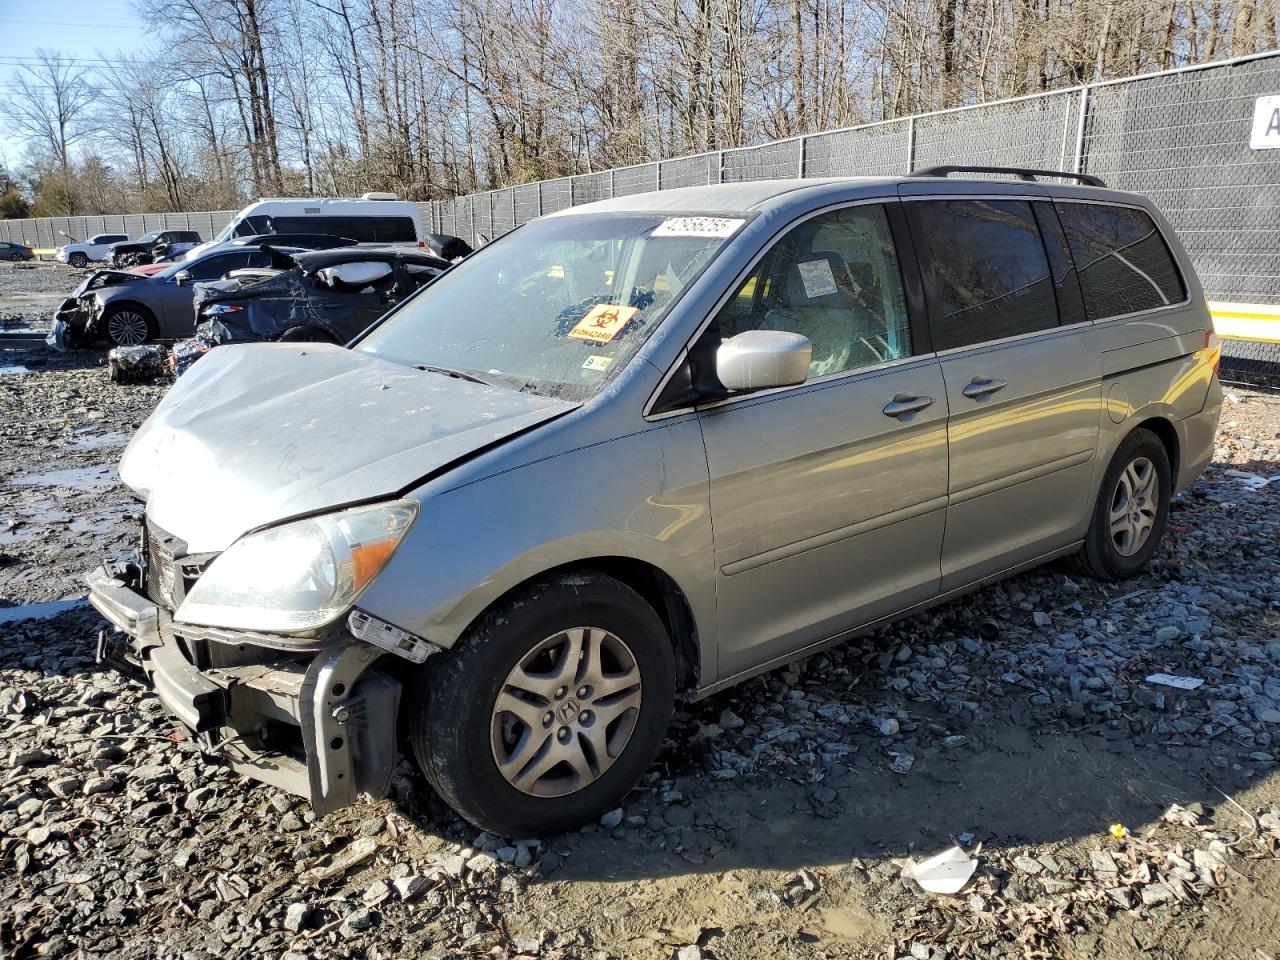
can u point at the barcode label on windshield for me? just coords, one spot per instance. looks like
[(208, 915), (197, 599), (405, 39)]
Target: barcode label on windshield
[(697, 227)]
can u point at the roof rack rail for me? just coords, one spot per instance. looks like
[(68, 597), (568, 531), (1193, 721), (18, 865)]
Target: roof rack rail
[(1022, 173)]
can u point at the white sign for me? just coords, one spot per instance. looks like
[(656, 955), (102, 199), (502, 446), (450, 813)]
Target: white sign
[(697, 227), (1266, 123), (817, 279)]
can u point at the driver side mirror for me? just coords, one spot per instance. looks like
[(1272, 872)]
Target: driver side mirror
[(761, 359), (182, 277)]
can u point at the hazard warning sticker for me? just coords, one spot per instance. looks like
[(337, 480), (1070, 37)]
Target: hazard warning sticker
[(603, 322)]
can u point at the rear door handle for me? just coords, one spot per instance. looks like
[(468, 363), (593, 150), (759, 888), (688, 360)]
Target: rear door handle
[(903, 405), (980, 387)]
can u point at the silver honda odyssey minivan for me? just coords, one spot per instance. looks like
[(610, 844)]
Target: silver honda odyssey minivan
[(640, 450)]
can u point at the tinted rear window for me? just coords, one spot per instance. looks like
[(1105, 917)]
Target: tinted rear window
[(1123, 262), (360, 229), (991, 275)]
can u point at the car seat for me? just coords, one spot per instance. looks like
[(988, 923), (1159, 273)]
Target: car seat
[(836, 324)]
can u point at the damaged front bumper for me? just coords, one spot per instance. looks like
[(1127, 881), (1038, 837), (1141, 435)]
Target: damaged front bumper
[(70, 323), (314, 717)]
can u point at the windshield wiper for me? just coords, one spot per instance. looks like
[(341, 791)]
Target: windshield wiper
[(450, 372)]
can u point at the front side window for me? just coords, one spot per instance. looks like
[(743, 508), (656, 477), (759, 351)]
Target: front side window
[(835, 280), (991, 275), (1124, 264), (557, 306)]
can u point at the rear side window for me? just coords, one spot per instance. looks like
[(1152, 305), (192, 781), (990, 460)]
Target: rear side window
[(214, 267), (1123, 262), (991, 275), (360, 229)]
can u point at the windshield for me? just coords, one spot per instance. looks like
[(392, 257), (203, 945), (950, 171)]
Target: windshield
[(148, 238), (556, 306)]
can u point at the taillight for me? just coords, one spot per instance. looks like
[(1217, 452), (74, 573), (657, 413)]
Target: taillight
[(1212, 349), (422, 244)]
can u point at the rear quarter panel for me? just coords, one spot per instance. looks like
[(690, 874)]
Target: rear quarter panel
[(1154, 365)]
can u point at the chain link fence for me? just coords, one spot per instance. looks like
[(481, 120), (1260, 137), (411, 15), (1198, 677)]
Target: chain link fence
[(1180, 137)]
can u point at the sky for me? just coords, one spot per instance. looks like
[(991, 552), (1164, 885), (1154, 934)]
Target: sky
[(85, 29)]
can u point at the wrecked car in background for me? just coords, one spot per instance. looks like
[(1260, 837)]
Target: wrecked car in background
[(326, 296), (78, 253), (154, 247), (128, 309)]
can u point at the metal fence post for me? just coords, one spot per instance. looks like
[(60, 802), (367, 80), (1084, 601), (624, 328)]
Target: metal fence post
[(540, 198), (911, 143), (613, 178), (800, 166), (1078, 160)]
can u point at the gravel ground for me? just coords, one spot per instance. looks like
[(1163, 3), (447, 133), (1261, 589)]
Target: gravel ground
[(782, 819), (32, 291)]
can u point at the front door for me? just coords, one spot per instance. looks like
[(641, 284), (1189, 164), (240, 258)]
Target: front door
[(1023, 380), (827, 498)]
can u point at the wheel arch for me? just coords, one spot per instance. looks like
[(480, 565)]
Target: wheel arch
[(1167, 434), (654, 585)]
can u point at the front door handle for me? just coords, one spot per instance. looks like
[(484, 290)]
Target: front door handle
[(903, 405), (980, 387)]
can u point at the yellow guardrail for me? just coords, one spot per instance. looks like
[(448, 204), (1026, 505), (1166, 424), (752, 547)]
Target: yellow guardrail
[(1259, 322)]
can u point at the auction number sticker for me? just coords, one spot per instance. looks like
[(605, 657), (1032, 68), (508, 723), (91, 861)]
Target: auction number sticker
[(597, 363), (603, 322), (697, 227)]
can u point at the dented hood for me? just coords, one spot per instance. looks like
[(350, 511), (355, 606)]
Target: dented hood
[(260, 432)]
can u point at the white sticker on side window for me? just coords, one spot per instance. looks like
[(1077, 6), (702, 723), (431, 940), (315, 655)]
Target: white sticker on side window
[(817, 278), (697, 227)]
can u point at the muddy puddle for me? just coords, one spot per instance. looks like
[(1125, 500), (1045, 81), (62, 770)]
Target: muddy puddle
[(40, 611), (76, 478)]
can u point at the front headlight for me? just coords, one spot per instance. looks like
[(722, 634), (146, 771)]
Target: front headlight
[(301, 575)]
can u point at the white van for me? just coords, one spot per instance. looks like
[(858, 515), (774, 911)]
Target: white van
[(374, 218)]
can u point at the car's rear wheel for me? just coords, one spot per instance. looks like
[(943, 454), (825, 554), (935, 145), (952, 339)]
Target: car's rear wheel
[(1132, 509), (549, 709), (78, 260), (128, 326), (15, 257)]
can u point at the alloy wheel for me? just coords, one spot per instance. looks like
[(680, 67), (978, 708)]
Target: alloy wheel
[(128, 328), (566, 712), (1134, 505)]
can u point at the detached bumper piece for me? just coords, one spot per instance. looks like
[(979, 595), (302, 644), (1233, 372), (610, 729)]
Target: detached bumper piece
[(319, 722)]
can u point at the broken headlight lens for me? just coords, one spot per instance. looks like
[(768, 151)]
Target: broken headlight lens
[(300, 575), (219, 309)]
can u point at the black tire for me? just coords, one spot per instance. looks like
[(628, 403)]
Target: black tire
[(1102, 555), (454, 730), (78, 260), (304, 334), (112, 325), (16, 257)]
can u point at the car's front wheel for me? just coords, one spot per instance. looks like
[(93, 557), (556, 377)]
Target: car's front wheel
[(16, 257), (128, 326), (549, 709), (78, 260)]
